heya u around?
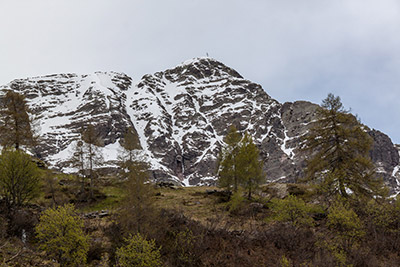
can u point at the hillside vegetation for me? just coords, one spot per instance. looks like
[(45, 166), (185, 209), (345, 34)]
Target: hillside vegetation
[(339, 215), (198, 226)]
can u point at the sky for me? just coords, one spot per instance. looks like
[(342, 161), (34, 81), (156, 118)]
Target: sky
[(297, 50)]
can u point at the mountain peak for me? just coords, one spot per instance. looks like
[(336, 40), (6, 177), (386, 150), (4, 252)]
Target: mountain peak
[(205, 67), (196, 60), (180, 116)]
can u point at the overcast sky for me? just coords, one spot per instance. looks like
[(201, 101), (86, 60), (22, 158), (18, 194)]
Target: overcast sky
[(297, 50)]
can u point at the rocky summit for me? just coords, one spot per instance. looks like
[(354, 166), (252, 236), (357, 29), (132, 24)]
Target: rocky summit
[(181, 116)]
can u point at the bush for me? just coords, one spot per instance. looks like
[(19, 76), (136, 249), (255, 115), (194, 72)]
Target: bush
[(293, 210), (285, 262), (236, 203), (184, 247), (346, 231), (345, 223), (60, 234), (19, 177), (138, 252)]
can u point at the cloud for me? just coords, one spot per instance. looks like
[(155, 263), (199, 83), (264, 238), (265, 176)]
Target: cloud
[(295, 49)]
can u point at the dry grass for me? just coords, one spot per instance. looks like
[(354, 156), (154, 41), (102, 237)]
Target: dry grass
[(14, 253), (208, 209), (194, 202)]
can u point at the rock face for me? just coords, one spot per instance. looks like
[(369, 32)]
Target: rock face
[(62, 105), (181, 116)]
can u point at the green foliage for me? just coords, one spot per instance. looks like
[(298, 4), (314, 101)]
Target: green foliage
[(228, 176), (138, 252), (347, 230), (19, 177), (338, 253), (114, 194), (380, 214), (236, 202), (248, 165), (60, 234), (293, 210), (345, 222), (137, 209), (183, 246), (394, 211), (384, 216), (285, 262), (15, 126), (130, 143), (339, 147), (239, 163)]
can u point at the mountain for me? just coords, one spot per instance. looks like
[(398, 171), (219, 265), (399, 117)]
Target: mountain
[(181, 116)]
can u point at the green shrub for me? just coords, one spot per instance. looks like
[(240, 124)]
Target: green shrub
[(346, 232), (345, 223), (293, 210), (19, 177), (60, 234), (138, 252), (380, 215), (236, 202), (184, 246), (285, 262)]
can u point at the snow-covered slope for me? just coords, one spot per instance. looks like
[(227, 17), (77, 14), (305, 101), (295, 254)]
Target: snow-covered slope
[(62, 105), (181, 116)]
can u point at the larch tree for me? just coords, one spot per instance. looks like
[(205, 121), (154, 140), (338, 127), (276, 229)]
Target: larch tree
[(239, 163), (78, 161), (137, 209), (87, 155), (249, 166), (339, 148), (227, 172), (94, 156), (131, 144), (128, 157), (15, 125)]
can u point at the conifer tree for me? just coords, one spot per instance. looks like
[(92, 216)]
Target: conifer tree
[(15, 126), (137, 209), (227, 171), (78, 161), (136, 214), (131, 144), (86, 156), (93, 155), (239, 163), (339, 147), (249, 166)]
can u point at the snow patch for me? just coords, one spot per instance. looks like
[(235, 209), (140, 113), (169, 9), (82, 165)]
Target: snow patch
[(287, 151)]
